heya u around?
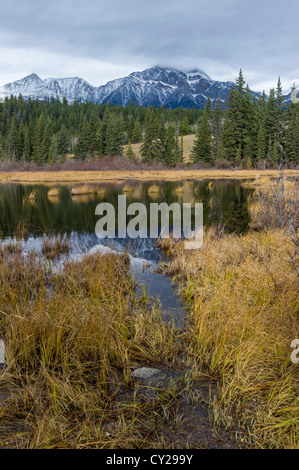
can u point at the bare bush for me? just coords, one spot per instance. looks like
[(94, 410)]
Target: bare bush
[(277, 206)]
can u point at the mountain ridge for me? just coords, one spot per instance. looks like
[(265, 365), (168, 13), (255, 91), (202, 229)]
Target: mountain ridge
[(155, 86)]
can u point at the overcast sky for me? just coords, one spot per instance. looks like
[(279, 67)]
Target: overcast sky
[(102, 40)]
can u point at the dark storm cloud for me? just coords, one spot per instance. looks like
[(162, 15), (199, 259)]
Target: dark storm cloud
[(218, 36)]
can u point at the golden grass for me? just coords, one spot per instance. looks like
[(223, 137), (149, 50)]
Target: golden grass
[(72, 340), (101, 191), (30, 198), (83, 198), (243, 296), (82, 190), (32, 195), (179, 190), (144, 175), (127, 188), (53, 247), (54, 192), (154, 189)]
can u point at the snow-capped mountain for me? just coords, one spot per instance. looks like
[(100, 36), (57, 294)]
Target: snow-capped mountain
[(154, 86)]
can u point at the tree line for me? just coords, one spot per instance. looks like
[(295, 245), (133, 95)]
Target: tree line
[(251, 129), (245, 130)]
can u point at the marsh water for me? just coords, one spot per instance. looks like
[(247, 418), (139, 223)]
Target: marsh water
[(29, 211)]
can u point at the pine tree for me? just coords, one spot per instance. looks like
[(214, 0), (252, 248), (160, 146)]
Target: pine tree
[(251, 129), (38, 147), (150, 149), (238, 155), (114, 137), (162, 142), (173, 151), (292, 136), (63, 142), (129, 152), (217, 117), (279, 128), (20, 141), (261, 109), (184, 127), (234, 128), (12, 140), (91, 136), (51, 155), (136, 132), (27, 147), (82, 145), (270, 123), (261, 144), (202, 149)]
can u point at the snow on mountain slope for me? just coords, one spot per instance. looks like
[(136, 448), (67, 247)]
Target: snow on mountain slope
[(155, 86)]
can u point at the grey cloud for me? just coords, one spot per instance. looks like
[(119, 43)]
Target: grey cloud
[(258, 36)]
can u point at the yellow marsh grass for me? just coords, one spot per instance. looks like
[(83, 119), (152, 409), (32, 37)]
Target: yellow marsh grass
[(33, 194), (54, 247), (83, 198), (54, 192), (179, 190), (154, 189), (82, 190), (243, 295), (72, 340), (30, 198), (127, 188), (101, 192), (145, 175)]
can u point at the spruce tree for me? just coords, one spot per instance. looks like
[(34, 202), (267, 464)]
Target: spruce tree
[(27, 147), (292, 136), (217, 117), (173, 151), (261, 144), (136, 132), (202, 148), (38, 147), (129, 152), (150, 149), (235, 125)]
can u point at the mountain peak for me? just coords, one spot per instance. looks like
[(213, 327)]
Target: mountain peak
[(198, 72), (33, 77)]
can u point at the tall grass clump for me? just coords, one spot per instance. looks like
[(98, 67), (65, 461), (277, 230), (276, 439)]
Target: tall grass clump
[(53, 247), (243, 294)]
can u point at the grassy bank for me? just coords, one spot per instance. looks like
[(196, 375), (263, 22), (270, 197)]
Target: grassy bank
[(141, 175), (242, 294)]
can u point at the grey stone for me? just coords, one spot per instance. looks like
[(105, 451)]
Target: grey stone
[(145, 373)]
